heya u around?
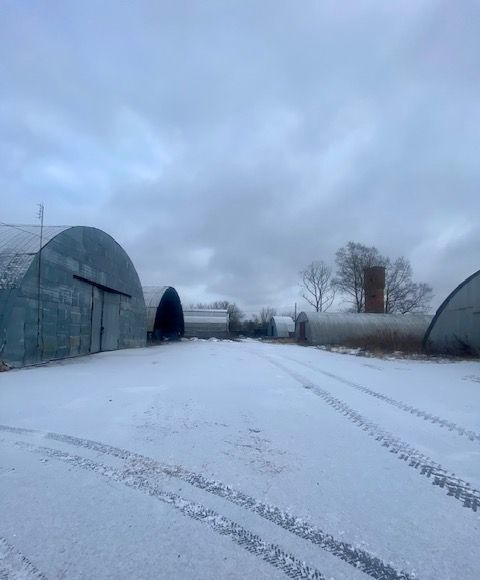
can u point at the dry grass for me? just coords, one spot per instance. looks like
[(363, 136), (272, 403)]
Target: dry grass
[(279, 340)]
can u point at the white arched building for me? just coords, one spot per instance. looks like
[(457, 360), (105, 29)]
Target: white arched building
[(281, 327)]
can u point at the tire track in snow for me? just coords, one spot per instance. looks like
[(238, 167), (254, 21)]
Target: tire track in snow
[(15, 566), (427, 467), (450, 425), (271, 553), (356, 557)]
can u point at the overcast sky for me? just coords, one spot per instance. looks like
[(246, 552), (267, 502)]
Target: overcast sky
[(227, 144)]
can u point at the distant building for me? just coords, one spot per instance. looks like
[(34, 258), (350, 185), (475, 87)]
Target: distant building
[(164, 313), (75, 292), (455, 328), (281, 327), (339, 328), (206, 323)]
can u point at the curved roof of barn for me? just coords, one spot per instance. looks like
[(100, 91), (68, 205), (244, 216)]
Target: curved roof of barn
[(355, 324), (284, 324), (153, 295), (456, 293), (19, 244)]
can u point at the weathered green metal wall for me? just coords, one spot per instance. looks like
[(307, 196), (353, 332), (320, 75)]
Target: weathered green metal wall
[(71, 308)]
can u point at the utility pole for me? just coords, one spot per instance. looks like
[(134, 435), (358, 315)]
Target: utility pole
[(40, 214)]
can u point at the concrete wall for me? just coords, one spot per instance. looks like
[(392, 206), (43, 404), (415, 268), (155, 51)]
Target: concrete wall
[(90, 300)]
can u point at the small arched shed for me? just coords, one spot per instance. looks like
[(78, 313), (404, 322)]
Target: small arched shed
[(281, 327), (339, 328), (66, 291), (455, 328), (164, 313)]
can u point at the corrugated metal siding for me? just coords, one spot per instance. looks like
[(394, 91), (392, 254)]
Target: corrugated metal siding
[(281, 326), (455, 328), (164, 313), (206, 323), (153, 296), (78, 267), (18, 247), (340, 328)]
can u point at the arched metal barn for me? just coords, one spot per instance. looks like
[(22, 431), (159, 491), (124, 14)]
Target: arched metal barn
[(66, 291), (455, 328), (338, 328), (281, 327), (164, 313)]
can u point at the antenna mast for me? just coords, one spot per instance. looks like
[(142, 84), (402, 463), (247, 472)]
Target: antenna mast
[(40, 214)]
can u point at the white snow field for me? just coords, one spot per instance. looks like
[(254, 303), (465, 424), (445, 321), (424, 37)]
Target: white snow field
[(229, 460)]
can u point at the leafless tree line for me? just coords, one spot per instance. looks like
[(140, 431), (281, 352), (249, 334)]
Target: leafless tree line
[(402, 294)]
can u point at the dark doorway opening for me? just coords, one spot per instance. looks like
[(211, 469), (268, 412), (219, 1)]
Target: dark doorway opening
[(169, 317)]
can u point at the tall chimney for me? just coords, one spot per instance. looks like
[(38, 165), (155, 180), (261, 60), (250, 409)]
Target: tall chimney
[(374, 286)]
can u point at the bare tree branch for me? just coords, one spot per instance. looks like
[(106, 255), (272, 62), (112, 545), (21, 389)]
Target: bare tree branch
[(266, 314), (402, 294), (351, 261), (317, 287)]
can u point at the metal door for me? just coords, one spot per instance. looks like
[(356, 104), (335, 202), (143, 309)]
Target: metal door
[(301, 331), (96, 326), (110, 321)]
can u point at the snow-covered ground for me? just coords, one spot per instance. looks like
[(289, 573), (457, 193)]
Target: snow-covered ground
[(237, 460)]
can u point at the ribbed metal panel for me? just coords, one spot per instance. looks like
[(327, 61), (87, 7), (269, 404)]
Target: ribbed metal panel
[(206, 323), (153, 296), (340, 328), (164, 312), (455, 329), (79, 295), (18, 247), (281, 326)]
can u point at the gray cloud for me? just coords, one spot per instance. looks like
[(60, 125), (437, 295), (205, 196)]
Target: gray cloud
[(226, 145)]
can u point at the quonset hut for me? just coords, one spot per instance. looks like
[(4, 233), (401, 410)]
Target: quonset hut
[(360, 328), (74, 291), (206, 323), (164, 313), (455, 328), (281, 327)]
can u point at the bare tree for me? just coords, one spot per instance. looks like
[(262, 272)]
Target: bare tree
[(266, 314), (290, 313), (317, 287), (402, 294), (351, 261)]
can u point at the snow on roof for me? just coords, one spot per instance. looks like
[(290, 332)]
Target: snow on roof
[(19, 244)]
